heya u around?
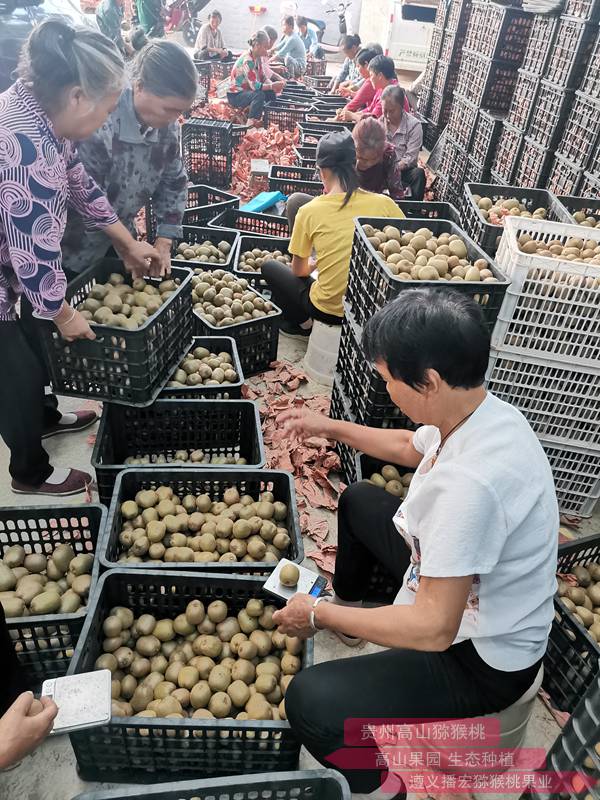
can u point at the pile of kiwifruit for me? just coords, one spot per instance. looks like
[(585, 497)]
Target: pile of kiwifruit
[(201, 367), (206, 663), (581, 596), (160, 527), (587, 220), (572, 249), (33, 584), (221, 299), (419, 255), (252, 260), (183, 457), (205, 252), (123, 305), (494, 212), (393, 481)]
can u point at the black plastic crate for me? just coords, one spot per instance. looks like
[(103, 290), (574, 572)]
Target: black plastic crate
[(371, 286), (588, 10), (475, 172), (256, 339), (226, 391), (218, 427), (363, 387), (220, 70), (453, 162), (487, 83), (285, 114), (147, 750), (590, 186), (497, 179), (547, 122), (507, 155), (317, 81), (487, 235), (424, 100), (237, 134), (590, 84), (121, 366), (452, 45), (462, 121), (445, 77), (204, 70), (540, 42), (523, 100), (347, 455), (323, 784), (589, 206), (444, 190), (534, 164), (430, 135), (458, 15), (268, 226), (249, 243), (194, 234), (316, 67), (306, 157), (582, 130), (570, 52), (214, 482), (572, 659), (204, 203), (44, 643), (288, 180), (206, 148), (320, 116), (485, 138), (421, 209), (439, 109), (498, 31), (435, 45), (329, 101), (565, 177)]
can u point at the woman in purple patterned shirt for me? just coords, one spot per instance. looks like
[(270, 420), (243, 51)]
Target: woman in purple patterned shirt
[(69, 81)]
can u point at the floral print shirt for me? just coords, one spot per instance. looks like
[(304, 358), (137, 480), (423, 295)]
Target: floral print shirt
[(247, 74), (132, 165), (40, 175)]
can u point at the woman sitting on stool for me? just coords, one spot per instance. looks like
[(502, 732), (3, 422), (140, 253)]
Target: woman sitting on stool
[(249, 87), (324, 224)]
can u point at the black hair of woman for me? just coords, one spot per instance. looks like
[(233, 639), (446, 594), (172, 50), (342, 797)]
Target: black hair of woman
[(216, 14), (350, 41), (383, 65), (336, 152), (259, 37), (165, 69), (366, 55)]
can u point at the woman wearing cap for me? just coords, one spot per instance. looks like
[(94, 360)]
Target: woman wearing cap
[(249, 87), (324, 225)]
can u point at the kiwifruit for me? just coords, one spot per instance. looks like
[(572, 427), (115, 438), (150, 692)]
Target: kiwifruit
[(220, 705), (219, 678), (582, 575), (217, 611), (289, 575), (576, 594), (290, 664), (593, 593), (258, 707)]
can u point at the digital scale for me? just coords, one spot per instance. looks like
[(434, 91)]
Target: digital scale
[(84, 701), (308, 582)]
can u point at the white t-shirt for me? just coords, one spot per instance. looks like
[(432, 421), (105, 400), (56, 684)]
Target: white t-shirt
[(487, 508)]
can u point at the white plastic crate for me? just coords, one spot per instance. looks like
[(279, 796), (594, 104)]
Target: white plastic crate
[(576, 472), (562, 404), (552, 307)]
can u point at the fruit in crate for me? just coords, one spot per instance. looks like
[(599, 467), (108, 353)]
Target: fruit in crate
[(160, 527), (392, 480), (205, 252), (579, 591), (587, 220), (252, 260), (200, 367), (221, 299), (494, 212), (209, 662), (565, 249), (57, 582), (184, 457), (126, 305), (419, 255)]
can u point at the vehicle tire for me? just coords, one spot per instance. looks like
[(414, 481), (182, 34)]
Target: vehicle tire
[(190, 32)]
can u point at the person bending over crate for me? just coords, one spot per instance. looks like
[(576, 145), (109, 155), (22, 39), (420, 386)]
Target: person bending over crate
[(69, 81), (209, 43), (349, 72), (289, 53), (382, 73), (324, 224), (376, 164), (309, 39), (249, 86), (473, 544)]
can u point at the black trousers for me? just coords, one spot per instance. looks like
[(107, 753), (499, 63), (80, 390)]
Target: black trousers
[(11, 683), (398, 684), (255, 101), (414, 177), (292, 295)]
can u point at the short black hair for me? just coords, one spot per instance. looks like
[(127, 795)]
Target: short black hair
[(217, 14), (423, 329), (366, 55), (288, 20), (301, 21), (395, 93), (383, 65), (350, 40)]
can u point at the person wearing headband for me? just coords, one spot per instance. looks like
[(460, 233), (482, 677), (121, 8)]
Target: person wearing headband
[(324, 225)]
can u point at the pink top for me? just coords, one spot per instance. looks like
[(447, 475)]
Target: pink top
[(374, 108), (40, 175), (363, 97)]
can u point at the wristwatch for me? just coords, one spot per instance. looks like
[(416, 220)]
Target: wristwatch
[(311, 619)]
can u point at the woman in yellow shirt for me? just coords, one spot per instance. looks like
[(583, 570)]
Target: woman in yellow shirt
[(324, 225)]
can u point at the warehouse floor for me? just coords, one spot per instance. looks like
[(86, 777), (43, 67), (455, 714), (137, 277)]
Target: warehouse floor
[(50, 773)]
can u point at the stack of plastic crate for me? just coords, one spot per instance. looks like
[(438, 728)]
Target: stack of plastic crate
[(546, 354)]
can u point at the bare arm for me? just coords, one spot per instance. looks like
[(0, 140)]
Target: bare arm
[(395, 446), (301, 267)]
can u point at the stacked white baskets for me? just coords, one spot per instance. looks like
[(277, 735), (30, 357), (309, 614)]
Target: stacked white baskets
[(546, 355)]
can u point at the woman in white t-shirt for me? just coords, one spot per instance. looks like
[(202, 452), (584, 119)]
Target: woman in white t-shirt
[(474, 543)]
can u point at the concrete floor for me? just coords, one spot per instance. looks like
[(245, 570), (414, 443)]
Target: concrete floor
[(50, 773)]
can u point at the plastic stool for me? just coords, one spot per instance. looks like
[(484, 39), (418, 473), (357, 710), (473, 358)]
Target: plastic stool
[(322, 352)]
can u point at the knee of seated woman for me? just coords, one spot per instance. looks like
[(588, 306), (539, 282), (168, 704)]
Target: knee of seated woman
[(304, 697)]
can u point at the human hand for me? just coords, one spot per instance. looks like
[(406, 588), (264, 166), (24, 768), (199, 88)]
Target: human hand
[(294, 619), (304, 423), (21, 731), (141, 259), (277, 86), (73, 325), (163, 247)]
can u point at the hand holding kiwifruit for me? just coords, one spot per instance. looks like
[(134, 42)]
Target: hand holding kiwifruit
[(221, 299), (419, 255), (123, 305), (162, 667), (581, 597), (201, 367), (159, 527), (38, 584), (565, 248), (252, 260)]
